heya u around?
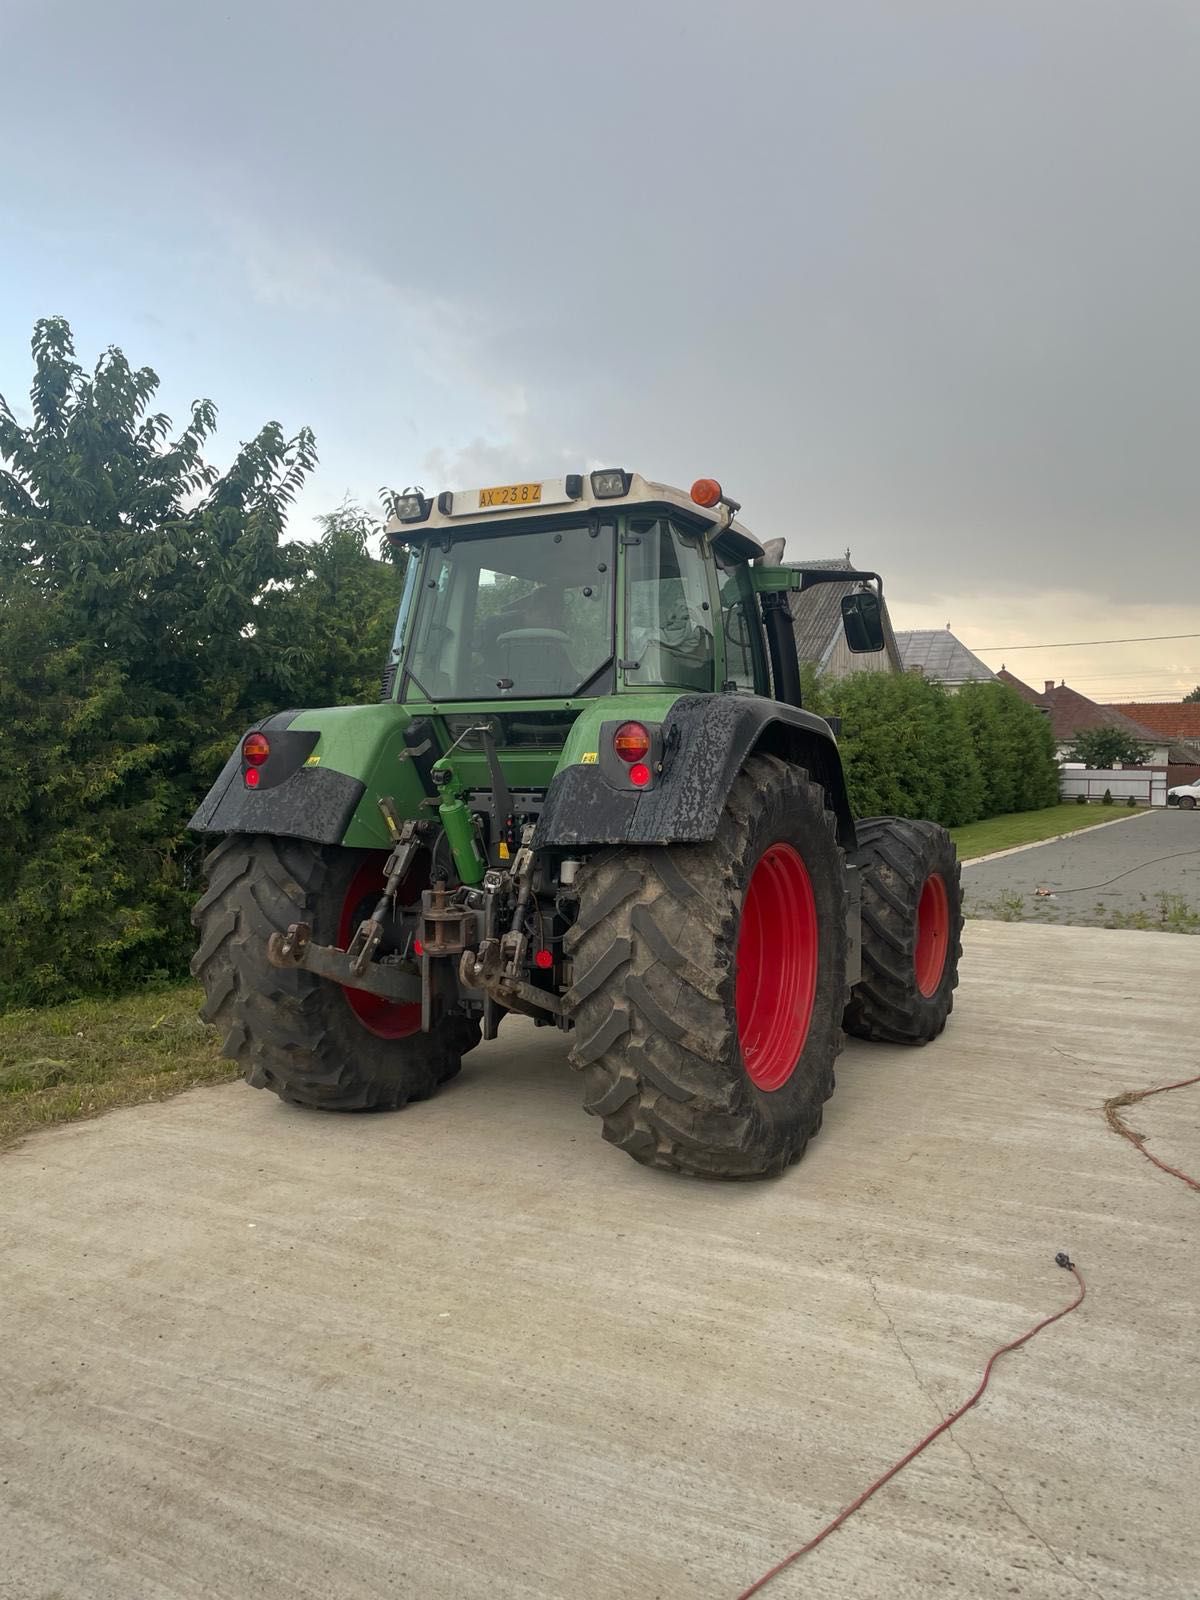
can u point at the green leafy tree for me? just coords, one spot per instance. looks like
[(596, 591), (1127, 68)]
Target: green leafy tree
[(132, 581), (1191, 699), (1107, 747)]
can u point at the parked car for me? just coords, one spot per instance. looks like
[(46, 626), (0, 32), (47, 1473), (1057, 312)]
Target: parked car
[(1185, 795)]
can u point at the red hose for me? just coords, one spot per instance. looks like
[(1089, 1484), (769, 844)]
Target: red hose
[(1138, 1140), (947, 1422)]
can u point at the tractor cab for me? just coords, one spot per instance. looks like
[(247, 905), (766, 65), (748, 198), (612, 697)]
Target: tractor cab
[(547, 594)]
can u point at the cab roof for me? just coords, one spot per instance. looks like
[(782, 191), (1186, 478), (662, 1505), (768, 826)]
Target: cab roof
[(497, 509)]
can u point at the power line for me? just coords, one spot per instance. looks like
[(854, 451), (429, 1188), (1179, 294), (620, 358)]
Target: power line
[(1072, 644)]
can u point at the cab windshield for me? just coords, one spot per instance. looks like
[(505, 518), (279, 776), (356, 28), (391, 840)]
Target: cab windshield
[(520, 616)]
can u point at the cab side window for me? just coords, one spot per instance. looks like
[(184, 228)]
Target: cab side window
[(745, 667), (668, 614)]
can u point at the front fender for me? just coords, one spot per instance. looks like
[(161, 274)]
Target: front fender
[(706, 739)]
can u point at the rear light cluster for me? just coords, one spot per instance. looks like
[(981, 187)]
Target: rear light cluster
[(256, 747), (632, 743)]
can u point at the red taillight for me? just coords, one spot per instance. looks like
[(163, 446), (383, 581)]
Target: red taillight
[(255, 749), (543, 959), (639, 775), (706, 492), (418, 948), (252, 777), (631, 741)]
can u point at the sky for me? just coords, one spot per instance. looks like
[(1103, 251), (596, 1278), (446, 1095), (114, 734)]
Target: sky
[(918, 279)]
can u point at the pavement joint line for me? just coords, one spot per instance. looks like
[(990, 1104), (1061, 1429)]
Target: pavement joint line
[(1075, 833)]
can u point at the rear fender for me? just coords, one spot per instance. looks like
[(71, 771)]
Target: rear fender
[(706, 739), (326, 772)]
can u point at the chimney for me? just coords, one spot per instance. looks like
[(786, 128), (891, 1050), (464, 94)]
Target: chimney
[(1049, 689)]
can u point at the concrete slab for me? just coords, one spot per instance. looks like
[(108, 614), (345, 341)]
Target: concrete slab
[(471, 1351)]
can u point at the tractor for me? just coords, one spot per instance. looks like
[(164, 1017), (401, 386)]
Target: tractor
[(590, 795)]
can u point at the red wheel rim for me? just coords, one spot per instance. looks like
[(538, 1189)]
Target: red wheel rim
[(776, 967), (388, 1019), (933, 934)]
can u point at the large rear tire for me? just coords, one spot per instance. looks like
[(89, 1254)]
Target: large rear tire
[(911, 931), (709, 984), (311, 1041)]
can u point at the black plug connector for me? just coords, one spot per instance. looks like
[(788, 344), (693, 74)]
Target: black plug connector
[(1062, 1259)]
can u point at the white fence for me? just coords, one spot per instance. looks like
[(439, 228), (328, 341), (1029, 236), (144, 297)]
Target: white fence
[(1147, 785)]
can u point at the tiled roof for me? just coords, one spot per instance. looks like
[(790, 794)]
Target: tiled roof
[(1023, 689), (1172, 719), (1072, 713), (941, 656)]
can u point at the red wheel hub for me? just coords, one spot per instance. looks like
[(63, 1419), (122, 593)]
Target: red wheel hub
[(775, 984), (388, 1019), (933, 934)]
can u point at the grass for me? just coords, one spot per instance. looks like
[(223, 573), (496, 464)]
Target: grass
[(1171, 913), (1027, 827), (79, 1059)]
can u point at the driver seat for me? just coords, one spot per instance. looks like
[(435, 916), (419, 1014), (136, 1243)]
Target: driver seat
[(536, 666)]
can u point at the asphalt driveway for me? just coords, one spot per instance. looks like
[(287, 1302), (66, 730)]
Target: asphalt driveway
[(470, 1352), (1148, 891)]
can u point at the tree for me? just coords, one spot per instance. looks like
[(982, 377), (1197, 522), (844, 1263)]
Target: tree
[(1107, 747), (133, 578), (1191, 699)]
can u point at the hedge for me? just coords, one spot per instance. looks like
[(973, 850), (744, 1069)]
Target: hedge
[(913, 749)]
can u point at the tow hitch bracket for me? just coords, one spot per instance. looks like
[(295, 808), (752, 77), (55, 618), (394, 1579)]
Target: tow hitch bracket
[(296, 949)]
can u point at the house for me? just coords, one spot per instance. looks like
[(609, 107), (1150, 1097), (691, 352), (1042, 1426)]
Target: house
[(820, 637), (1179, 721), (1072, 713), (935, 653)]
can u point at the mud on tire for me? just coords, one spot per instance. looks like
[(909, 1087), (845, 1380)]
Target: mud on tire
[(653, 994), (911, 916), (290, 1031)]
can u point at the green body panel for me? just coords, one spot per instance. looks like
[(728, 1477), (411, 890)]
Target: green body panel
[(367, 742), (638, 705), (776, 580)]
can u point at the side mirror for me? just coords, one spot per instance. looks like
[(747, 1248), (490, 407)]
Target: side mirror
[(862, 618)]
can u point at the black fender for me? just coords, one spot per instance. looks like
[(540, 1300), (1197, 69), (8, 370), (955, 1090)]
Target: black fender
[(291, 800), (706, 738)]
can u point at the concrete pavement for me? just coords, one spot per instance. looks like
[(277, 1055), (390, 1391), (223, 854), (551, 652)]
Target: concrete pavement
[(248, 1353)]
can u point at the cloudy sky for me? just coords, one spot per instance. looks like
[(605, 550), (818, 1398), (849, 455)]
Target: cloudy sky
[(921, 279)]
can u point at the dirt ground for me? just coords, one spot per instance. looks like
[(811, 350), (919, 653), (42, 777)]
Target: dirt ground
[(470, 1352)]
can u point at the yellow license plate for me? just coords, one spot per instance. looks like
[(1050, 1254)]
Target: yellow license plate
[(510, 494)]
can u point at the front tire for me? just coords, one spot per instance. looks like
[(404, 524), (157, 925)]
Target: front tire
[(310, 1041), (709, 984), (911, 931)]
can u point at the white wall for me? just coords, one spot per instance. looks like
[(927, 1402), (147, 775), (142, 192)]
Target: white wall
[(1147, 785)]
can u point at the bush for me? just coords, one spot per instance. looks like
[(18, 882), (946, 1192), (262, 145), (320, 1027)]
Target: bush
[(1131, 801), (1106, 799), (1081, 799), (912, 749)]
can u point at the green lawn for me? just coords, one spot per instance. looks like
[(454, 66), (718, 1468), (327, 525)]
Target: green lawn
[(1027, 827), (79, 1059)]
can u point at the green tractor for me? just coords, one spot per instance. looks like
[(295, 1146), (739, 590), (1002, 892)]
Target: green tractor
[(590, 795)]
